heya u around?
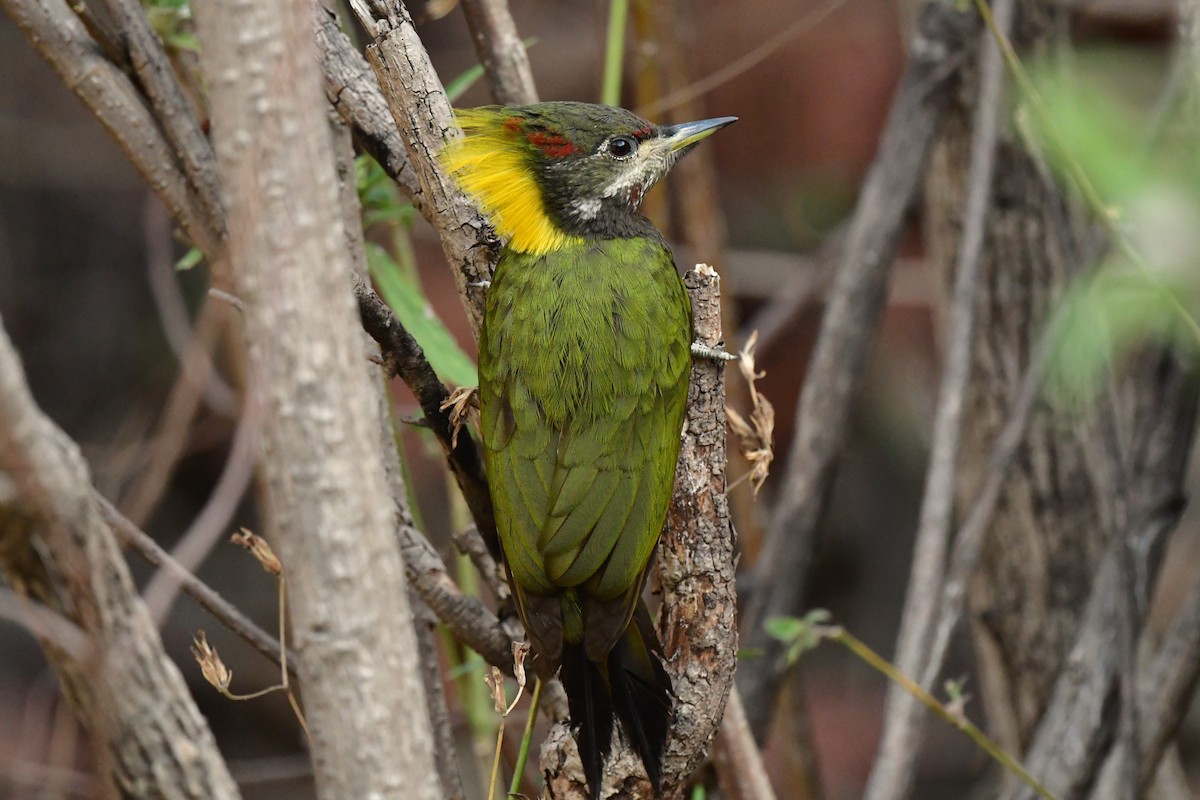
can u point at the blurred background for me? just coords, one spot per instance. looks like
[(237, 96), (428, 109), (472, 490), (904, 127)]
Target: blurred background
[(91, 297)]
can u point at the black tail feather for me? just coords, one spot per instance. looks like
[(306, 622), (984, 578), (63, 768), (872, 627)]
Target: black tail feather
[(591, 712), (633, 687), (641, 695)]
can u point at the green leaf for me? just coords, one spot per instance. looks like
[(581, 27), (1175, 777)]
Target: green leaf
[(785, 629), (190, 259), (401, 292), (1103, 317), (800, 634)]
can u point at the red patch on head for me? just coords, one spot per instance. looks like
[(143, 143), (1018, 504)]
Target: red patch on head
[(553, 145), (643, 132), (512, 125)]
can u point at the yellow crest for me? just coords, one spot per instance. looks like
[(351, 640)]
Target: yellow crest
[(491, 164)]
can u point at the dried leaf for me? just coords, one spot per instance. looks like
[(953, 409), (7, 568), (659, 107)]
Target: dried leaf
[(495, 681), (520, 650), (754, 435), (462, 402), (211, 666), (259, 548)]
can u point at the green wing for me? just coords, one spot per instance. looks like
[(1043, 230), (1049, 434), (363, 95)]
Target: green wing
[(584, 362)]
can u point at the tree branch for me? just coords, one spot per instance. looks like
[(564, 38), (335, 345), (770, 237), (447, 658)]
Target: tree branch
[(325, 479), (150, 738), (404, 358), (57, 33), (905, 716), (850, 317), (421, 110), (171, 107), (353, 90), (501, 51)]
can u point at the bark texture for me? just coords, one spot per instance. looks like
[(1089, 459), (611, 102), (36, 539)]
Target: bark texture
[(1091, 493), (327, 494), (57, 549)]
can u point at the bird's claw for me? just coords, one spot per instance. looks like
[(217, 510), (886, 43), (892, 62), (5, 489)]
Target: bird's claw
[(712, 353)]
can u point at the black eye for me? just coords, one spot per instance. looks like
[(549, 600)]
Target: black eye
[(621, 146)]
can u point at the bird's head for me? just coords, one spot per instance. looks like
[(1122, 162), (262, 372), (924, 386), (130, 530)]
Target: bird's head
[(551, 174)]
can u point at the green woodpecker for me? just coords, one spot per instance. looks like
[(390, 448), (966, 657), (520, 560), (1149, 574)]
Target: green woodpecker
[(584, 358)]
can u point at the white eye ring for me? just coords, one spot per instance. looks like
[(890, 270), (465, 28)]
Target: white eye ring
[(621, 147)]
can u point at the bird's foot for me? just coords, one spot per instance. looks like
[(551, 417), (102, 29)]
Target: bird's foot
[(712, 353)]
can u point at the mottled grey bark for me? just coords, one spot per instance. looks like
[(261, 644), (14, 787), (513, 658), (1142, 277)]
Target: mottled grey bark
[(328, 499)]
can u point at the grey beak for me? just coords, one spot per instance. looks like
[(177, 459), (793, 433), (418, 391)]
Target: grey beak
[(688, 133)]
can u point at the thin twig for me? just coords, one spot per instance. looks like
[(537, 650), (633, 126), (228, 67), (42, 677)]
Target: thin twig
[(167, 444), (881, 664), (744, 63), (736, 756), (212, 521), (169, 302), (855, 302), (892, 773), (229, 616), (526, 738), (404, 358)]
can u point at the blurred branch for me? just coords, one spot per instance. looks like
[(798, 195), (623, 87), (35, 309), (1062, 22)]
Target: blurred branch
[(46, 624), (162, 277), (501, 51), (850, 318), (736, 757), (903, 731), (170, 438), (149, 736), (421, 110), (1167, 686), (745, 63), (1162, 388), (213, 520), (59, 36)]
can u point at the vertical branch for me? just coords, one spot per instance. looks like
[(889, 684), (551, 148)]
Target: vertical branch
[(892, 773), (326, 488), (855, 302)]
